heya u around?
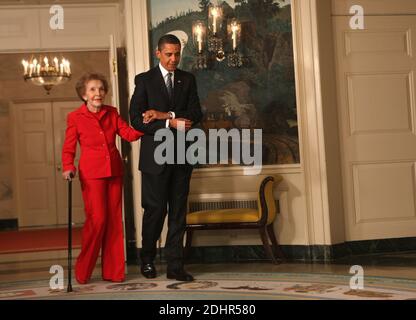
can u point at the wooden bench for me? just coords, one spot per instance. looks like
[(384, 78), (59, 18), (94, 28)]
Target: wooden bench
[(261, 218)]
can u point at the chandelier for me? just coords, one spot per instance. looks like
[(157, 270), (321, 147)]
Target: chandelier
[(47, 74), (211, 43)]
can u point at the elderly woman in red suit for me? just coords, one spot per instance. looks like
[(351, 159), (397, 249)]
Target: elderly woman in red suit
[(95, 126)]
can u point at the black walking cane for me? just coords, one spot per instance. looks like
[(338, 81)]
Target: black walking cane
[(71, 175)]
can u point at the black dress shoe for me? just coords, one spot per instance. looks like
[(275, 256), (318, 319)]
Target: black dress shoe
[(180, 275), (148, 270)]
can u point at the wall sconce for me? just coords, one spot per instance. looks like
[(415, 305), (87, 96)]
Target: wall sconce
[(209, 42)]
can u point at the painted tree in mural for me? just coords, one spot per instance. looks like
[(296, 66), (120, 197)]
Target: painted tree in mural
[(203, 5), (262, 93)]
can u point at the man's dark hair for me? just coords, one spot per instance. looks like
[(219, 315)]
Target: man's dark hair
[(167, 39)]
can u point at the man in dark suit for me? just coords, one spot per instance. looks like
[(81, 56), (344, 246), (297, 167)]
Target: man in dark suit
[(164, 97)]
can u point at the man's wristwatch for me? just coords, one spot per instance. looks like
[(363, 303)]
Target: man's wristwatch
[(170, 115)]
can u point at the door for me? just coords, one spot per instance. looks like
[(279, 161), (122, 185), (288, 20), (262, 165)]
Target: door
[(376, 100), (41, 191), (35, 163)]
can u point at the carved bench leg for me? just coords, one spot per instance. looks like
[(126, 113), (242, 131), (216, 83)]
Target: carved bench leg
[(276, 248), (266, 244)]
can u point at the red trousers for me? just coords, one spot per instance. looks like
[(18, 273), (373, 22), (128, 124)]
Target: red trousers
[(103, 229)]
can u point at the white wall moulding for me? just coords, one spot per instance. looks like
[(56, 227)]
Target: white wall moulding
[(19, 29), (311, 102), (391, 94), (85, 27), (395, 42), (138, 60), (376, 200), (237, 171)]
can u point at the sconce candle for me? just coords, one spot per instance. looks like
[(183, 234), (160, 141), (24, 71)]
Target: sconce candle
[(199, 37), (234, 30), (198, 30), (214, 13), (214, 19)]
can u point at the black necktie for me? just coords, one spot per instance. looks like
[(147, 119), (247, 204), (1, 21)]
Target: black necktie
[(169, 85)]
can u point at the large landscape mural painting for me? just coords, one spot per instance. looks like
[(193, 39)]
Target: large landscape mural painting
[(260, 94)]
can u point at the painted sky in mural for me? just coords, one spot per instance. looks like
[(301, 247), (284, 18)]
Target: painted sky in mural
[(163, 8)]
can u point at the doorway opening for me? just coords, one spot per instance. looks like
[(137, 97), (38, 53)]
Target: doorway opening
[(33, 195)]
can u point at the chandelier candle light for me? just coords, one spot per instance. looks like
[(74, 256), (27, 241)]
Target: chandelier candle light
[(234, 58), (50, 74), (234, 30), (215, 44), (215, 13), (198, 33)]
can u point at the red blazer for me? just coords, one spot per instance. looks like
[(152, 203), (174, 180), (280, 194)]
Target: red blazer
[(100, 157)]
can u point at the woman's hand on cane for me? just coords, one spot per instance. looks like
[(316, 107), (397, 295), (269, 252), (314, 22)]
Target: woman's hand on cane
[(68, 175)]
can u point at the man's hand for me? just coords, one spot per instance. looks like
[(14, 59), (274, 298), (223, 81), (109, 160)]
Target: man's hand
[(152, 115), (180, 124)]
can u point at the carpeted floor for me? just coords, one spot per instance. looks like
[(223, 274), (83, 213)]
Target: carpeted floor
[(223, 286), (38, 240)]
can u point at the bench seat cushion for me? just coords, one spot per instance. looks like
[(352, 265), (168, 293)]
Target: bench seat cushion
[(222, 216)]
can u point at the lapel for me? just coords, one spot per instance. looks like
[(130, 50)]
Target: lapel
[(177, 88)]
